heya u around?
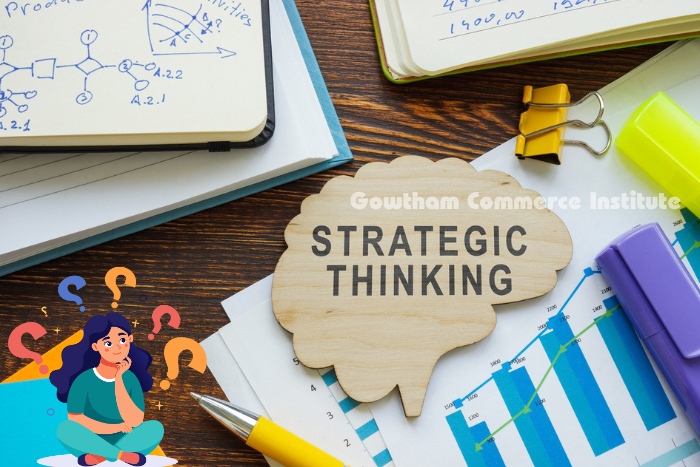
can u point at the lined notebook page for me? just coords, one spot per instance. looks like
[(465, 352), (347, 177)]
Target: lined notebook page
[(51, 200), (97, 67), (447, 34)]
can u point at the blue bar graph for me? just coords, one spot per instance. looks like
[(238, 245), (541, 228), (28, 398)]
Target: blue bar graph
[(330, 377), (634, 367), (689, 239), (675, 455), (366, 431), (580, 386), (383, 458), (530, 417), (582, 390), (467, 437), (348, 404)]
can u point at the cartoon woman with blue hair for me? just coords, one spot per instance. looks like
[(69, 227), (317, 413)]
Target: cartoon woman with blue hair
[(102, 380)]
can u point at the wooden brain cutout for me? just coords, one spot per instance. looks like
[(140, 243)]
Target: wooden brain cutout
[(388, 270)]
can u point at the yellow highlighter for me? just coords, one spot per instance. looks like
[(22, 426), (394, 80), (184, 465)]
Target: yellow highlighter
[(265, 436), (665, 142)]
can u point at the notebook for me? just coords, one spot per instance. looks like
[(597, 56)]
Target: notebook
[(84, 199), (110, 75), (420, 39)]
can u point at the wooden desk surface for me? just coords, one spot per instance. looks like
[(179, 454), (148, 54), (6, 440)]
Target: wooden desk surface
[(195, 262)]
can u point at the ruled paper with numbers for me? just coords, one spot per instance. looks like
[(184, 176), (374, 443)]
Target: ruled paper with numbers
[(443, 35)]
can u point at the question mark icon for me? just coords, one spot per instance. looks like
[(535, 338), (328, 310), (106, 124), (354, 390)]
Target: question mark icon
[(111, 281), (172, 351), (66, 294), (158, 313), (14, 343)]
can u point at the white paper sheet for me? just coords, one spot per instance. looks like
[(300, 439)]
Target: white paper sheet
[(626, 434)]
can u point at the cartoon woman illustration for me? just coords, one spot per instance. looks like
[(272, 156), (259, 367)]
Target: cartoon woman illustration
[(103, 379)]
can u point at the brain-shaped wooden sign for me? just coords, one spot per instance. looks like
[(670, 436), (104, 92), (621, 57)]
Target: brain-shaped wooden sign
[(388, 270)]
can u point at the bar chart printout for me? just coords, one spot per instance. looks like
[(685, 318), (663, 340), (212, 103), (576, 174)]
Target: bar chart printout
[(689, 240), (518, 389)]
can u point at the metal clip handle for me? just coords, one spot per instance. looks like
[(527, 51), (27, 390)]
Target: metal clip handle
[(577, 123)]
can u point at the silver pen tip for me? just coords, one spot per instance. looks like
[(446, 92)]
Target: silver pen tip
[(196, 396)]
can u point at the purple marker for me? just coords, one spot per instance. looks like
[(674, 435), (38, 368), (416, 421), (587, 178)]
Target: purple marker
[(662, 301)]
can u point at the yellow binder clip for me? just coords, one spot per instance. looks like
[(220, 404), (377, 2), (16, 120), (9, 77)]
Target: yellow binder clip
[(543, 124)]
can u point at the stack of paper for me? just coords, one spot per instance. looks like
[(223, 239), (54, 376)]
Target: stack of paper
[(253, 361), (514, 398), (79, 200)]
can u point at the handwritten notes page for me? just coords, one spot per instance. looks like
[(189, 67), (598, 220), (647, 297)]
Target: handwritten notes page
[(430, 37), (131, 67)]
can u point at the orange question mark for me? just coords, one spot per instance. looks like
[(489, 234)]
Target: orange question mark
[(111, 281), (172, 351), (14, 343)]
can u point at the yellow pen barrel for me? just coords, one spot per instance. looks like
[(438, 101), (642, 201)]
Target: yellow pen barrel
[(287, 448)]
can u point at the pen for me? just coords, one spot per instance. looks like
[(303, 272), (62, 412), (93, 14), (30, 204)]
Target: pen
[(265, 436)]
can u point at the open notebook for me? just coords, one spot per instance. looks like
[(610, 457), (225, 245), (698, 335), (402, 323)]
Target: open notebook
[(55, 204), (103, 73), (419, 38)]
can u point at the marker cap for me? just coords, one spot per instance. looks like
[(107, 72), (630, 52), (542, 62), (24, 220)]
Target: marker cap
[(664, 141)]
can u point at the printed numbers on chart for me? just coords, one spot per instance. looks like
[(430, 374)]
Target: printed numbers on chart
[(448, 406), (542, 326), (551, 308), (473, 416), (564, 318), (347, 443), (296, 361), (540, 402), (313, 388), (14, 125), (605, 290), (472, 397), (679, 222), (496, 362), (330, 415), (597, 308)]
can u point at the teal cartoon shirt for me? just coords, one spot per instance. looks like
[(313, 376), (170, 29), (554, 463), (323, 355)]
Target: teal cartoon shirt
[(93, 396)]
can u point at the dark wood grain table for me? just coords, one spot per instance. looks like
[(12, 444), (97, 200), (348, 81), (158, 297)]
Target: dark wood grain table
[(195, 262)]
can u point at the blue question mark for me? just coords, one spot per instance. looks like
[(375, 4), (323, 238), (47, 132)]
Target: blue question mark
[(66, 294)]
